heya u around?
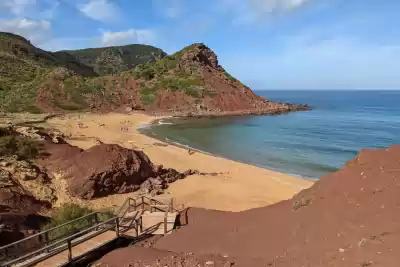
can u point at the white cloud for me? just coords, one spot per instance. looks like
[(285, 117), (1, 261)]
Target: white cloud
[(50, 9), (34, 9), (101, 10), (271, 6), (34, 30), (17, 7), (249, 11), (128, 37)]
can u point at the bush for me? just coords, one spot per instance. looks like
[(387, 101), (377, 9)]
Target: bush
[(192, 91), (148, 99), (66, 213), (147, 73), (14, 144)]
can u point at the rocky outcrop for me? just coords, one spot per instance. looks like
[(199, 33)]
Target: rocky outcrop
[(216, 92), (106, 169), (15, 198)]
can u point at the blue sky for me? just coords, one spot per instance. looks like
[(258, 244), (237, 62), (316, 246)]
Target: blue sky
[(268, 44)]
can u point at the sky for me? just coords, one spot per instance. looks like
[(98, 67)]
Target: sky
[(267, 44)]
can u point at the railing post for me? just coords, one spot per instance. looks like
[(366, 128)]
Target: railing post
[(165, 223), (143, 202), (5, 254), (137, 228), (69, 250), (134, 203), (46, 240), (141, 224), (96, 220), (171, 208), (117, 226)]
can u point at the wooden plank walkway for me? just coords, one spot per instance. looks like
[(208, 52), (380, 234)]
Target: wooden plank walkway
[(77, 250), (128, 221)]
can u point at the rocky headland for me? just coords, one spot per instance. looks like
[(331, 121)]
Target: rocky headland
[(190, 82)]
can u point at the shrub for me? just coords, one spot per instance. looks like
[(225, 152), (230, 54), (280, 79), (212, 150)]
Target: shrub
[(148, 73), (14, 144), (148, 99), (192, 91), (68, 212)]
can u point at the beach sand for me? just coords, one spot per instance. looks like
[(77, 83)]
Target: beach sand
[(237, 187)]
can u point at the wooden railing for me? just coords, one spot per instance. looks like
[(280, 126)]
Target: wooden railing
[(22, 250), (48, 243)]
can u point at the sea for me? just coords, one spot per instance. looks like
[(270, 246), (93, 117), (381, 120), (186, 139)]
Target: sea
[(308, 144)]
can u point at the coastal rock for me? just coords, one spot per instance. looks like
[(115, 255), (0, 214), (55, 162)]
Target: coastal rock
[(107, 169)]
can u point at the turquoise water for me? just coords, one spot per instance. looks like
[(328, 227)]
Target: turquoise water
[(308, 144)]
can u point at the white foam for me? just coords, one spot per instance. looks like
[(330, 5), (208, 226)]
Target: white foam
[(161, 122)]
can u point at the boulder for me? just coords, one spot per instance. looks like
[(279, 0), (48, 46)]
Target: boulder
[(107, 169)]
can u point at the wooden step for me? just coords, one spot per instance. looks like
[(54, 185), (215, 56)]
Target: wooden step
[(153, 222)]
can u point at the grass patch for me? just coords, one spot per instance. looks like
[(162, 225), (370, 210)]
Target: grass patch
[(69, 212), (192, 91)]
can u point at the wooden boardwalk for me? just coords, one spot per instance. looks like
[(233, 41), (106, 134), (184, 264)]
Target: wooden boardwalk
[(77, 251), (129, 222)]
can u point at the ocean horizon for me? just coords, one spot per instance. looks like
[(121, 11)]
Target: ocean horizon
[(307, 144)]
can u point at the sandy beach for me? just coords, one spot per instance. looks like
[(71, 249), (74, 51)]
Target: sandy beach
[(237, 187)]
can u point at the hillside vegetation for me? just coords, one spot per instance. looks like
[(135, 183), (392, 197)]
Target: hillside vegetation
[(118, 78), (113, 60)]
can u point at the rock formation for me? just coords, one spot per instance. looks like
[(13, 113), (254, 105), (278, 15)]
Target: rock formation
[(106, 169)]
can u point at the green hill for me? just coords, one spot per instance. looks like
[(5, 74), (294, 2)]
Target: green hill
[(112, 60), (24, 69), (123, 78)]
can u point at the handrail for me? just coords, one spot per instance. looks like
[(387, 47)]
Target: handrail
[(48, 230), (123, 206), (165, 220), (64, 240), (55, 244), (172, 208)]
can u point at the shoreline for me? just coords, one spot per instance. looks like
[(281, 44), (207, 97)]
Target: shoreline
[(183, 146), (239, 186)]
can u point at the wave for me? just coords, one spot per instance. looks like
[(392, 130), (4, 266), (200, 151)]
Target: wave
[(144, 126), (162, 122)]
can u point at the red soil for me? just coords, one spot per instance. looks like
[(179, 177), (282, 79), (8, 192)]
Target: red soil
[(348, 218)]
